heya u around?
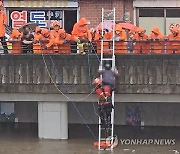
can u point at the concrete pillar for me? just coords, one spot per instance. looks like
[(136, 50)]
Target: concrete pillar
[(52, 120)]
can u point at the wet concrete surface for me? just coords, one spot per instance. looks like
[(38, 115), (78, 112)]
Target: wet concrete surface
[(24, 140)]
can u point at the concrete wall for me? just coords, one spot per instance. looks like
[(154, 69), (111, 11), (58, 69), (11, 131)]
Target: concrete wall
[(26, 111), (152, 114), (138, 74)]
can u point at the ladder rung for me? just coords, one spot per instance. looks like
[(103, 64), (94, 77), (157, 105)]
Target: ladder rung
[(107, 58), (105, 149), (108, 20), (103, 139), (106, 128), (108, 50), (107, 40)]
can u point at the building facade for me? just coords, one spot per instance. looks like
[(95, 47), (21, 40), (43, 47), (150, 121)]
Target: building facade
[(43, 12)]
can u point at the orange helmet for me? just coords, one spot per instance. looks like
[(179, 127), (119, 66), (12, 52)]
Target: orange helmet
[(44, 31), (97, 81)]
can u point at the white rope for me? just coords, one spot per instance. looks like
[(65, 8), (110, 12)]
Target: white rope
[(70, 99)]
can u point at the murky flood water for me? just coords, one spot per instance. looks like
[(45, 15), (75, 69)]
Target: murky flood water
[(25, 141)]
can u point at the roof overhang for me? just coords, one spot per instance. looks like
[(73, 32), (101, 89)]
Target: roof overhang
[(39, 3), (156, 3)]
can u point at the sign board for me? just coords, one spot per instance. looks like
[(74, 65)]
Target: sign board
[(18, 18)]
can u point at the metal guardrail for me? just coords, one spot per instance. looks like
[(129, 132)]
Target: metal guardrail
[(121, 47)]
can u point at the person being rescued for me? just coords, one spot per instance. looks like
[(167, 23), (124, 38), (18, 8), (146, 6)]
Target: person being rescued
[(141, 42), (36, 43), (156, 41), (82, 35), (47, 41), (173, 40), (107, 36), (120, 38), (63, 42), (55, 28), (15, 39), (108, 75)]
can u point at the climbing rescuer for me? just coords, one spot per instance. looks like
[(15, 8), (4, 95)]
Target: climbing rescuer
[(103, 92), (105, 102)]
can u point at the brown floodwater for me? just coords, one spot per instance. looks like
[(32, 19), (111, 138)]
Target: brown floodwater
[(23, 140)]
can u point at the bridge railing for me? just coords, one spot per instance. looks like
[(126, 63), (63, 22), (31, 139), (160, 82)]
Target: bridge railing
[(121, 47)]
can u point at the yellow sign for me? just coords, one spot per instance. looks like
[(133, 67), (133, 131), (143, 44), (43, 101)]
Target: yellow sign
[(40, 3)]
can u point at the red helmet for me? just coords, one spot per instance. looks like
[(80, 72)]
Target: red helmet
[(97, 81)]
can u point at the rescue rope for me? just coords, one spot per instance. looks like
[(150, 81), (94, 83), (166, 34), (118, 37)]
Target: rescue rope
[(91, 84), (68, 98)]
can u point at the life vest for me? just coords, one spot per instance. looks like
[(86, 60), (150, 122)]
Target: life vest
[(104, 91)]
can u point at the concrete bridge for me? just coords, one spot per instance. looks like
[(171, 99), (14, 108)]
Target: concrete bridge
[(54, 81)]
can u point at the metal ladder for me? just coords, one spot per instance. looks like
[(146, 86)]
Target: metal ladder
[(108, 16)]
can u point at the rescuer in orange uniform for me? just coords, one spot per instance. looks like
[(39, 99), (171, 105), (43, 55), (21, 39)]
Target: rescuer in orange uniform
[(157, 43), (142, 45), (107, 36), (54, 31), (3, 21), (15, 39), (120, 38), (47, 41), (63, 41), (82, 35), (36, 43), (173, 43)]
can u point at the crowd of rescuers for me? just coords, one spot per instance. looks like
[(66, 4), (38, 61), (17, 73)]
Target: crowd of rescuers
[(57, 40)]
